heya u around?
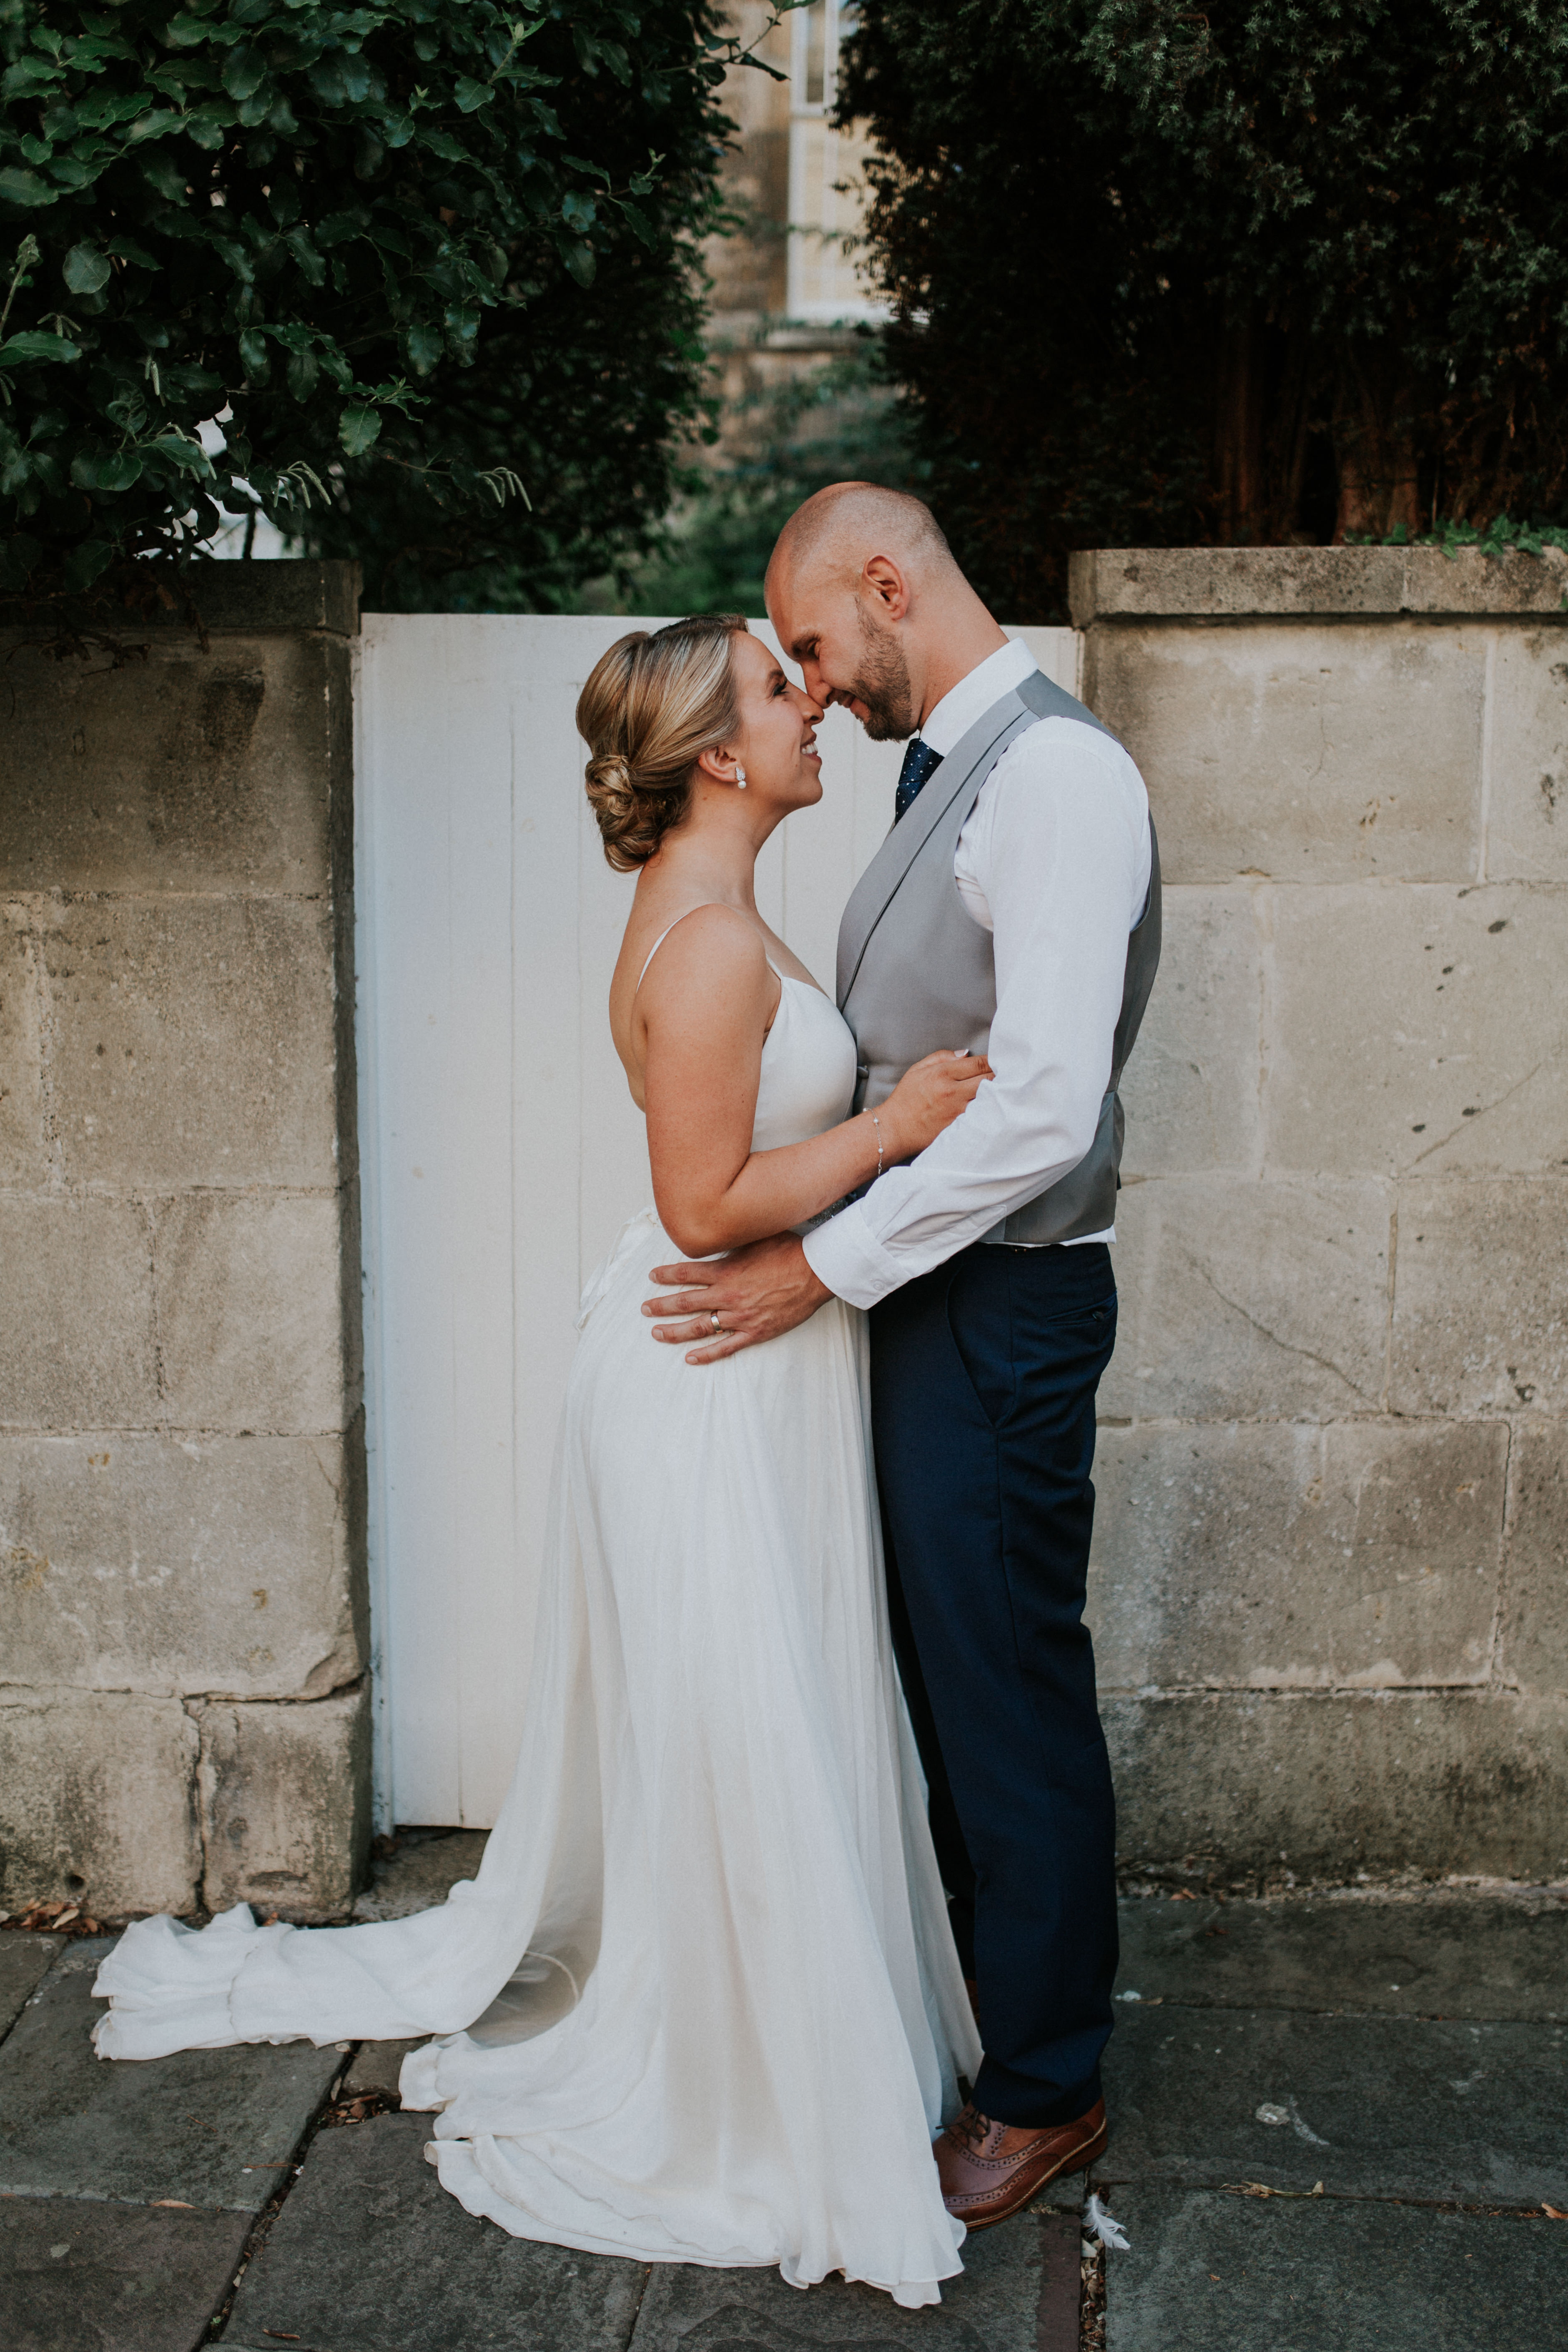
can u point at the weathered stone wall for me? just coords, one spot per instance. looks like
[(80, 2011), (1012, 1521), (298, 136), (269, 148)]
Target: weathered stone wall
[(183, 1706), (1330, 1590)]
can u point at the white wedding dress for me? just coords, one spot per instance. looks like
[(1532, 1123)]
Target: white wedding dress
[(701, 2003)]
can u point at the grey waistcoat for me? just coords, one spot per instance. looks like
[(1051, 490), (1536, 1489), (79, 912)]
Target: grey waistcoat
[(916, 972)]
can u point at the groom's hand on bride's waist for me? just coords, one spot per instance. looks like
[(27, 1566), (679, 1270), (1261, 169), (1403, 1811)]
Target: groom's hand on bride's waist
[(756, 1293)]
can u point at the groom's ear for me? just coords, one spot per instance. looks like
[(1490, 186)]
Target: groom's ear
[(882, 578)]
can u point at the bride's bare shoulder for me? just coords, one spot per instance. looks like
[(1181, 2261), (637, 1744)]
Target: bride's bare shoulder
[(686, 966), (707, 946)]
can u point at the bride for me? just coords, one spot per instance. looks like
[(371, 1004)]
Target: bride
[(701, 2003)]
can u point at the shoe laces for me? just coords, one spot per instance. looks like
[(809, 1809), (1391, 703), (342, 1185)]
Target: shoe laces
[(971, 2126)]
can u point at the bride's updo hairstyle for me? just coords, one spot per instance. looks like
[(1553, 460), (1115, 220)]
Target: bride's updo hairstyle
[(656, 701)]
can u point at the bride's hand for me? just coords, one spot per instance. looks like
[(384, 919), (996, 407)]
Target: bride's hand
[(928, 1097)]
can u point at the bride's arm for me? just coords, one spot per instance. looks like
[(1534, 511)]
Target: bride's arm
[(704, 1009)]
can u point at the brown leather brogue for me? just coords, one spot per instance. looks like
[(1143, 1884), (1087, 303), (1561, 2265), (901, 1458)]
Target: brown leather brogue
[(990, 2170)]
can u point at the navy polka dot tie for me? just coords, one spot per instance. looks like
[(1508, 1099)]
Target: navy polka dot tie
[(920, 763)]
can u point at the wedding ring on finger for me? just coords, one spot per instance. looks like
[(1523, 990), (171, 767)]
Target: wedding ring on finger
[(713, 1318)]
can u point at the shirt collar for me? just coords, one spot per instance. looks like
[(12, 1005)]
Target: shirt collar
[(973, 696)]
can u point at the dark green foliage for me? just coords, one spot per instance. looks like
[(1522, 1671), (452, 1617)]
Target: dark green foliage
[(580, 396), (785, 441), (437, 256), (1264, 271)]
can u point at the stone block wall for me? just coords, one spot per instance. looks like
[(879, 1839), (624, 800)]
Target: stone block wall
[(182, 1701), (1331, 1586)]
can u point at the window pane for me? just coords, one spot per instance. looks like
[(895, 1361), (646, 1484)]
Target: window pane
[(816, 52)]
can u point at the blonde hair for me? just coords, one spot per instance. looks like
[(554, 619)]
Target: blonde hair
[(653, 702)]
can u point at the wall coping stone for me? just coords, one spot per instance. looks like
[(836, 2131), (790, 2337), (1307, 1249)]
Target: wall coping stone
[(1142, 584), (238, 598)]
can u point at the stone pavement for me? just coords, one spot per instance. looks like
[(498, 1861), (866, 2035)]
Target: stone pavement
[(1338, 2126)]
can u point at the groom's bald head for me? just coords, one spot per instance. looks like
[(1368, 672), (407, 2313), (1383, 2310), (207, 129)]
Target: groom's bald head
[(865, 595), (841, 528)]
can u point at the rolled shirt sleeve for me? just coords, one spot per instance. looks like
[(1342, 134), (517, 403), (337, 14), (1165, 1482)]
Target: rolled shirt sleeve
[(1061, 852)]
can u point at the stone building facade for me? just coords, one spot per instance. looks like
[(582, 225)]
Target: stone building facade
[(787, 293)]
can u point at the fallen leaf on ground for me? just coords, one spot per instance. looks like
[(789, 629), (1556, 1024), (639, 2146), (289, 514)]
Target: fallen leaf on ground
[(50, 1919), (1553, 2213), (1183, 1895), (178, 2204)]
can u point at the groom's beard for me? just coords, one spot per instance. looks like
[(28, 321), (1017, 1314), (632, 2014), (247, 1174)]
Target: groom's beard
[(882, 685)]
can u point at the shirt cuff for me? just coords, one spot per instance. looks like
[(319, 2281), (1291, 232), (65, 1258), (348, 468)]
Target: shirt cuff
[(845, 1254)]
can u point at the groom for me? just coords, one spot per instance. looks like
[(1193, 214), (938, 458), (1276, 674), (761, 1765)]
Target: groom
[(1013, 909)]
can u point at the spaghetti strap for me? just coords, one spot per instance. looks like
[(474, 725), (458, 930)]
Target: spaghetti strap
[(656, 945), (675, 926)]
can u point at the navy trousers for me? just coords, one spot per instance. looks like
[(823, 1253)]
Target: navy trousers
[(983, 1382)]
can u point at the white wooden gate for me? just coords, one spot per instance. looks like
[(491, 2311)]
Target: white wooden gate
[(499, 1150)]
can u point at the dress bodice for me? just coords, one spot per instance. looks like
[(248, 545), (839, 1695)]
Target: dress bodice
[(807, 1081)]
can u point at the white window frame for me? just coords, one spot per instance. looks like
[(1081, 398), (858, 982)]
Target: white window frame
[(807, 125), (800, 51)]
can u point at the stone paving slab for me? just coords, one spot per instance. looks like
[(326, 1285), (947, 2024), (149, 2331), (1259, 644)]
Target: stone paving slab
[(1371, 2107), (1206, 2271), (375, 2066), (1018, 2293), (1432, 1955), (212, 2129), (371, 2255), (24, 1959), (426, 1868), (80, 2277)]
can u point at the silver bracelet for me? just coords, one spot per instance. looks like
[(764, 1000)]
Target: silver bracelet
[(877, 1124)]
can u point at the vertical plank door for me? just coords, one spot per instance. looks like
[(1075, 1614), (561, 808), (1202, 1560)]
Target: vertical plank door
[(500, 1151)]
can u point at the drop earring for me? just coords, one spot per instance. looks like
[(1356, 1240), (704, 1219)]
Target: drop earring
[(740, 777)]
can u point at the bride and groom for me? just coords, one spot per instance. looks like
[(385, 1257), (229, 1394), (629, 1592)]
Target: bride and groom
[(811, 1829)]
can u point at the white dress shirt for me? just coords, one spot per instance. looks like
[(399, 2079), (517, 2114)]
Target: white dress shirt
[(1054, 862)]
